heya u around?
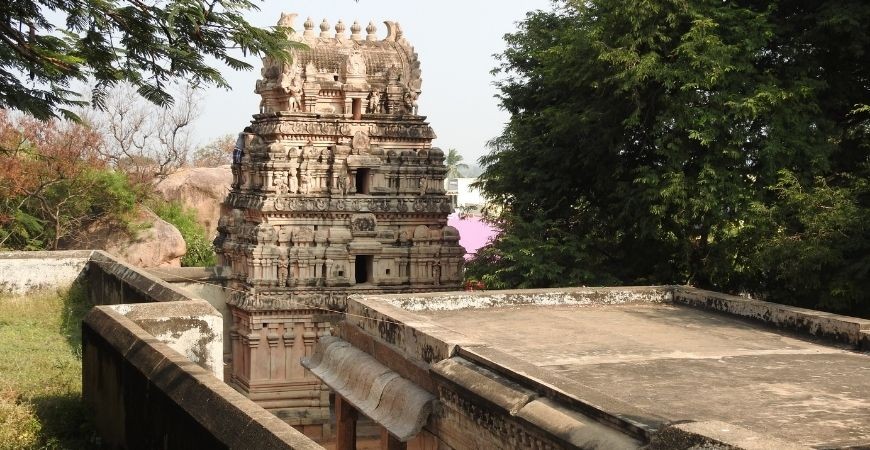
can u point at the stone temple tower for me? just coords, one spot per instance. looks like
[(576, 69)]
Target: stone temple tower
[(339, 192)]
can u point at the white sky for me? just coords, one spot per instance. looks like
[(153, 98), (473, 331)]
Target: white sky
[(455, 41)]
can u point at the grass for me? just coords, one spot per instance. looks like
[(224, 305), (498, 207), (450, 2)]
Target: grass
[(40, 371)]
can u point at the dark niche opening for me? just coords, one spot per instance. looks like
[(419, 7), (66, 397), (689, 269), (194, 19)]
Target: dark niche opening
[(362, 181), (363, 268)]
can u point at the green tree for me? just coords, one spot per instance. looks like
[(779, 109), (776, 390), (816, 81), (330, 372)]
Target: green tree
[(455, 166), (146, 43), (53, 183), (647, 141)]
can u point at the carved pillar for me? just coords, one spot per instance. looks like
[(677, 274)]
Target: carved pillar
[(276, 353), (289, 336)]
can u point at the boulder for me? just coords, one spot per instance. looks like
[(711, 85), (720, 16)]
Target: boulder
[(200, 188), (153, 243)]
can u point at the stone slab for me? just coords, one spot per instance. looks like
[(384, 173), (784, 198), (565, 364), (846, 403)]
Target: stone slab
[(687, 364)]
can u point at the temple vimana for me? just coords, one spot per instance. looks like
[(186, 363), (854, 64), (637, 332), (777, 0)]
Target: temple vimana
[(339, 191)]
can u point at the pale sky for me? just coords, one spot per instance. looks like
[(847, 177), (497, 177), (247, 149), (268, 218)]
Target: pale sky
[(455, 41)]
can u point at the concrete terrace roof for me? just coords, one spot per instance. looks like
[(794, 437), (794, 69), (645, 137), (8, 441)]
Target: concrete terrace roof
[(646, 356)]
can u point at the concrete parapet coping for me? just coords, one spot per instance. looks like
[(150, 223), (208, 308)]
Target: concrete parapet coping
[(182, 274), (152, 287), (418, 337), (229, 416), (192, 328), (47, 254), (574, 428), (578, 296), (403, 308), (847, 330), (579, 397)]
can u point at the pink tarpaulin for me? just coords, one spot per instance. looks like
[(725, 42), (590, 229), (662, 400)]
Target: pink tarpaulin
[(474, 233)]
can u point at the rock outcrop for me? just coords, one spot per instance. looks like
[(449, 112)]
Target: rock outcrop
[(200, 188), (153, 243)]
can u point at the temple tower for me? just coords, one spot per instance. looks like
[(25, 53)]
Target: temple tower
[(339, 192)]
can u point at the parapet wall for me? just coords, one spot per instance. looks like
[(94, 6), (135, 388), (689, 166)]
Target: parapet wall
[(495, 399), (113, 282), (844, 329), (24, 272), (152, 357), (146, 395)]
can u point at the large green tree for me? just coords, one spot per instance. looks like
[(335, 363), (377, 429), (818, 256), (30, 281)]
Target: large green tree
[(47, 45), (668, 141)]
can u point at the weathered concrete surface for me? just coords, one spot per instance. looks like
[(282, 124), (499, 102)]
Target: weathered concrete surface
[(23, 272), (682, 363), (207, 283), (449, 301), (716, 435), (192, 328), (145, 395), (849, 330), (112, 281)]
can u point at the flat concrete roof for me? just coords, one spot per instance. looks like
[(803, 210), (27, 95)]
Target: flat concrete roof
[(678, 363)]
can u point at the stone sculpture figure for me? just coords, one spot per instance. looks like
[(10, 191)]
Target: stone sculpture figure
[(375, 102)]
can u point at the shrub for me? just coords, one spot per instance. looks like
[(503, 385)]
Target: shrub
[(199, 248)]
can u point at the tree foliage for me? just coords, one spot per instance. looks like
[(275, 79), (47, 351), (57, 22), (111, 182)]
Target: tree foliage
[(218, 152), (53, 182), (200, 251), (455, 167), (143, 140), (701, 142), (45, 45)]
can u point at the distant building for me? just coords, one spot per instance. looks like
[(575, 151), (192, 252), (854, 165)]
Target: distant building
[(465, 198)]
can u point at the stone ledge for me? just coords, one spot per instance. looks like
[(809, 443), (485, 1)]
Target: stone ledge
[(567, 392), (484, 384), (47, 254), (227, 415), (715, 435), (152, 288), (506, 398), (406, 366), (844, 329), (193, 274), (395, 403), (572, 426)]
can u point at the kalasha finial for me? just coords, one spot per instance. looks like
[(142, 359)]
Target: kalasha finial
[(324, 29), (371, 30), (339, 29), (355, 31), (309, 27)]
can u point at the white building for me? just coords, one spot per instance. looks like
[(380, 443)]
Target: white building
[(464, 198)]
